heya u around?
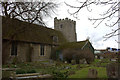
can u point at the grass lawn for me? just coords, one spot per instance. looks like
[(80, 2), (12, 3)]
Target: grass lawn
[(80, 73), (84, 72)]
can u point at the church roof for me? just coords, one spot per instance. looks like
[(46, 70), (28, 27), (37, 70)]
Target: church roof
[(13, 29), (74, 45)]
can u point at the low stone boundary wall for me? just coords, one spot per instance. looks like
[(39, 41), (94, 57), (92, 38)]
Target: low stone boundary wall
[(32, 75)]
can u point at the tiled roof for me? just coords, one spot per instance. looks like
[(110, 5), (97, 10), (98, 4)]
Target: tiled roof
[(23, 31), (75, 45)]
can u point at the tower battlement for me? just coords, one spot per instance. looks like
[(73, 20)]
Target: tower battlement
[(67, 27), (66, 19)]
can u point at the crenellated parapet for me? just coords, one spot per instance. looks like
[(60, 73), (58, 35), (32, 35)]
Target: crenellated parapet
[(64, 20), (67, 27)]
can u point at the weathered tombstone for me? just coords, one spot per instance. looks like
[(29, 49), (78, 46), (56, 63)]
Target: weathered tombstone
[(113, 70), (67, 67), (81, 61), (50, 61), (71, 72), (85, 62), (78, 67), (65, 61), (73, 62), (92, 73)]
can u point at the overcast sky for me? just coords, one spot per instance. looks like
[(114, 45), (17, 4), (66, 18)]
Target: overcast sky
[(84, 27)]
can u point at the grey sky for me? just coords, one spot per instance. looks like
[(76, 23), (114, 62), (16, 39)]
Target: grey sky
[(84, 27)]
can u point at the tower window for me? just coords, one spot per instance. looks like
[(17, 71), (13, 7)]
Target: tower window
[(61, 26), (55, 39)]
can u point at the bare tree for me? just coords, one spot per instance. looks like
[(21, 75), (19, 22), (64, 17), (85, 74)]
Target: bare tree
[(32, 12), (109, 14), (68, 54), (73, 54)]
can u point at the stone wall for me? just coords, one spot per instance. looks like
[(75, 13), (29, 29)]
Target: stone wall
[(6, 52), (22, 50), (36, 50), (25, 52), (67, 27)]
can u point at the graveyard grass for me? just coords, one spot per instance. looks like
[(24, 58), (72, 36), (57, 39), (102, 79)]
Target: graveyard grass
[(81, 72)]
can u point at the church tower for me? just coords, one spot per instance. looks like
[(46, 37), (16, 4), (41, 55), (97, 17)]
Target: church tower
[(67, 27)]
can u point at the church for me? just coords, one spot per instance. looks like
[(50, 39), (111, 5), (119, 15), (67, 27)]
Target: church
[(26, 42)]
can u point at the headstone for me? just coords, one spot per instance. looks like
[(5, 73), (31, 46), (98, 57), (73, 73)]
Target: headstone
[(78, 67), (96, 56), (83, 61), (67, 67), (73, 62), (101, 57), (71, 72), (113, 70), (92, 73), (65, 61), (113, 60)]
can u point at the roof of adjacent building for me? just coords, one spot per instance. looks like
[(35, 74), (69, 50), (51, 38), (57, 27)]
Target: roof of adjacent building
[(75, 45), (13, 29), (99, 51)]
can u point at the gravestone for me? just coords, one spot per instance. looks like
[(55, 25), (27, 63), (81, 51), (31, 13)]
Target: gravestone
[(73, 62), (65, 61), (78, 67), (83, 61), (113, 70), (92, 73)]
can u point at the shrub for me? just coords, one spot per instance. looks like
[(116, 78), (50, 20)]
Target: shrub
[(20, 71), (31, 71), (68, 55), (71, 72), (15, 60), (58, 74), (77, 54), (73, 62), (6, 74)]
